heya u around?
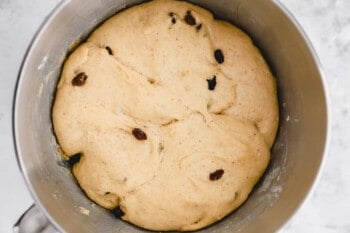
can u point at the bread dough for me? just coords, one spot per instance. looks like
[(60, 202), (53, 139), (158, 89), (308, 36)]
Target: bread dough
[(173, 112)]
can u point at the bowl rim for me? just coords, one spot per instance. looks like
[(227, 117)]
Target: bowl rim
[(322, 74), (18, 152)]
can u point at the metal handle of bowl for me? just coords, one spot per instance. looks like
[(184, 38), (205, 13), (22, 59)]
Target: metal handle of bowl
[(33, 221)]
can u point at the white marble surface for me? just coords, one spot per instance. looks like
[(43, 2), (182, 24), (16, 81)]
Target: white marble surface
[(326, 22)]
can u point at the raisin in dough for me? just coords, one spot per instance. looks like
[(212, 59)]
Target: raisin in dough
[(173, 112)]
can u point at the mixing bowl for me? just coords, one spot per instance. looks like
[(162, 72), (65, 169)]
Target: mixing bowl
[(297, 154)]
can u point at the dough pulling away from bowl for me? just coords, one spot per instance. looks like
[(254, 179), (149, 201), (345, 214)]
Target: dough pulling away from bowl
[(172, 112)]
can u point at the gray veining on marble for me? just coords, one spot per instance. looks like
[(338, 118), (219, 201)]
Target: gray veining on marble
[(326, 22)]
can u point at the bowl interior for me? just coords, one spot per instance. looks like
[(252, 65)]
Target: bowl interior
[(296, 156)]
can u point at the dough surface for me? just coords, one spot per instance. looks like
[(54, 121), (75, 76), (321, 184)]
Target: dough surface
[(173, 113)]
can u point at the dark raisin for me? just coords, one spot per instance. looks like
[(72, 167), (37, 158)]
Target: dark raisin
[(106, 193), (219, 56), (189, 19), (79, 79), (171, 14), (117, 212), (74, 159), (211, 83), (216, 175), (173, 20), (139, 134), (109, 50), (199, 27)]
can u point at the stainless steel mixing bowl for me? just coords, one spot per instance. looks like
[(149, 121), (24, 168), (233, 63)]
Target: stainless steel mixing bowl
[(296, 156)]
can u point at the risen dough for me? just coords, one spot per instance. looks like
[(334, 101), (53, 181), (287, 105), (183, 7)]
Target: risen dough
[(149, 68)]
